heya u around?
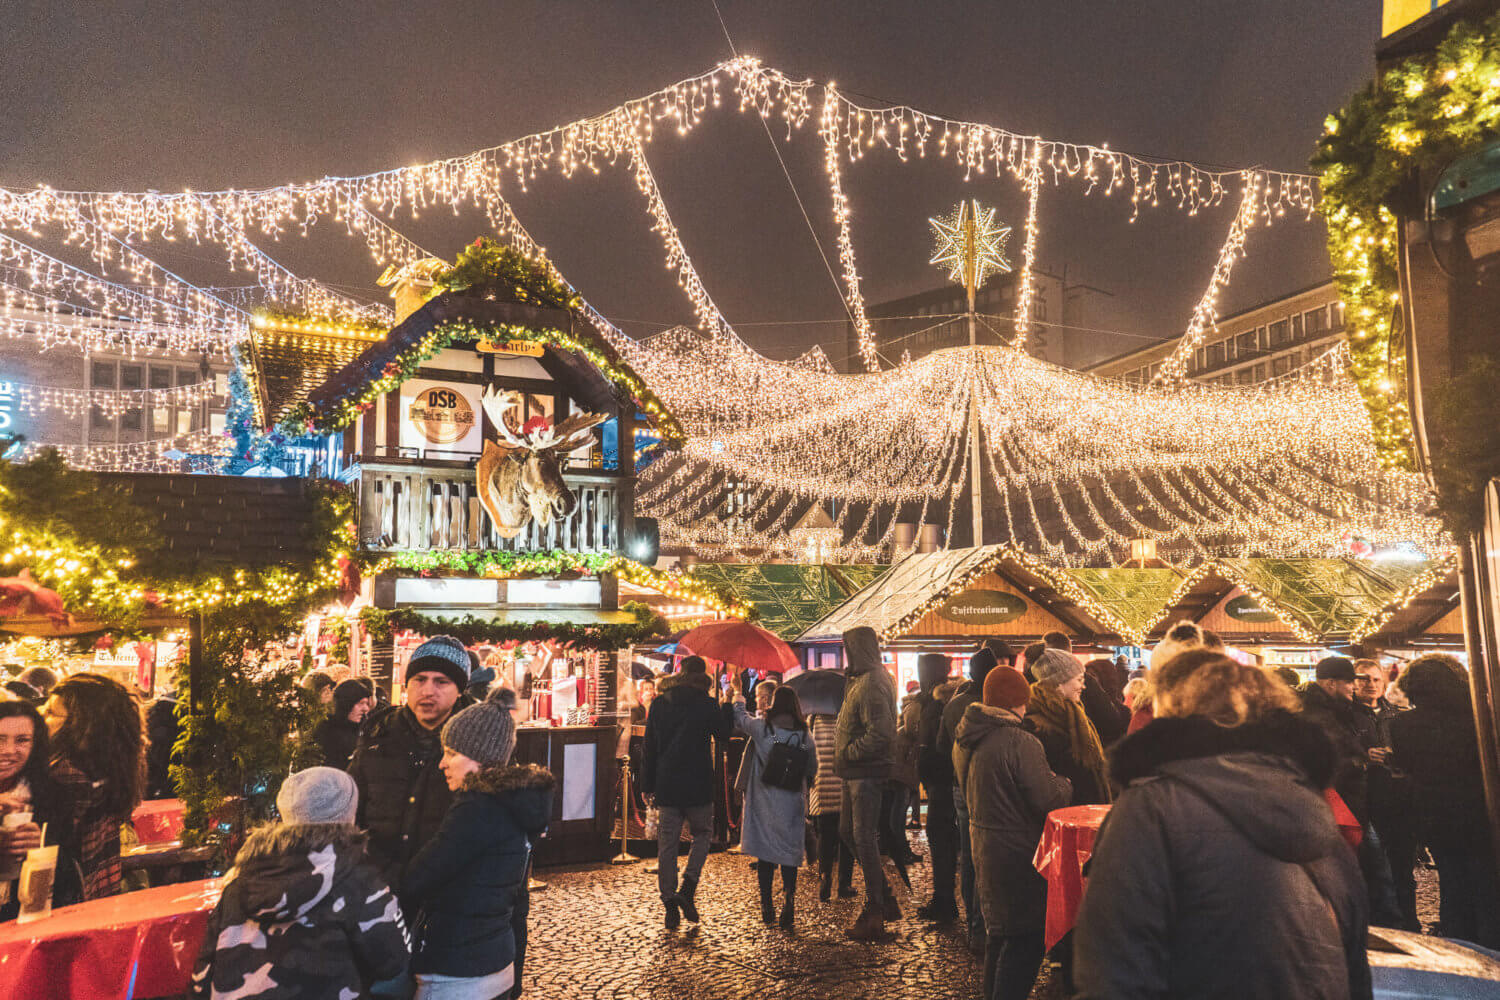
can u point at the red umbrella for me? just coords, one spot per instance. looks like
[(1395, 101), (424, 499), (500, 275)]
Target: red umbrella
[(742, 644)]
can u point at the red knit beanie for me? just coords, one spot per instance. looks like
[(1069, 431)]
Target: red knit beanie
[(1005, 687)]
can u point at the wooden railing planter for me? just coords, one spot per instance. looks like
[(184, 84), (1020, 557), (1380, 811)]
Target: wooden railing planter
[(417, 507)]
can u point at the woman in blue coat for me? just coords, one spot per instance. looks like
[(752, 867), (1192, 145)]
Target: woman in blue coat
[(468, 884), (774, 818)]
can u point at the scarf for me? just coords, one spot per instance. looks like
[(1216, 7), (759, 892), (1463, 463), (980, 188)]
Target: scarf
[(1048, 709)]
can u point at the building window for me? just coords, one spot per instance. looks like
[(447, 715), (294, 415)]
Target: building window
[(1315, 322), (1297, 326), (131, 377), (1229, 349), (1262, 339), (1260, 372), (1215, 355), (1245, 376), (1280, 366), (1040, 310), (1279, 333), (1336, 315), (101, 376), (1246, 343), (161, 378)]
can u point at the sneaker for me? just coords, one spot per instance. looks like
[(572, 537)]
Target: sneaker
[(674, 918)]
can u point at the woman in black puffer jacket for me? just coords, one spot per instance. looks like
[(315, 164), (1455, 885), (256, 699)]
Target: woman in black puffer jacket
[(1219, 872), (469, 883)]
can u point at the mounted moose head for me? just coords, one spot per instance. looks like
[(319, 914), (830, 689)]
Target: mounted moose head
[(520, 477)]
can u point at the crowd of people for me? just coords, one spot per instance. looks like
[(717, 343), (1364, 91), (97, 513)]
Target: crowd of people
[(1258, 824)]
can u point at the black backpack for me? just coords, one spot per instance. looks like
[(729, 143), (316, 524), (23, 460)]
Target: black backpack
[(786, 764)]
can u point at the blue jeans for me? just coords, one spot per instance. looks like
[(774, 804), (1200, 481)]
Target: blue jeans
[(966, 865)]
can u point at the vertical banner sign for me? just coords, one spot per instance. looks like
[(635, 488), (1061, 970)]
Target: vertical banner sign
[(7, 405)]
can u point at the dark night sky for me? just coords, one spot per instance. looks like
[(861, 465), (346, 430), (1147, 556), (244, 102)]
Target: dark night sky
[(168, 95)]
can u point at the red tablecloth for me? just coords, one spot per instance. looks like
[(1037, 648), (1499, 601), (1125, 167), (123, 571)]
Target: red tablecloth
[(1067, 841), (158, 821), (98, 950)]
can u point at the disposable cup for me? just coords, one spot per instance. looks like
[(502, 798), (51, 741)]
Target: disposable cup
[(37, 875)]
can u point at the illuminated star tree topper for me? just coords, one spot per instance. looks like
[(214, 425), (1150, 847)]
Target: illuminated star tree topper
[(969, 244)]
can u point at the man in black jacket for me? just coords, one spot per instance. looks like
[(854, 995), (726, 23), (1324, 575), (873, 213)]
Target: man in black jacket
[(1353, 731), (403, 797), (935, 769), (994, 651), (677, 768)]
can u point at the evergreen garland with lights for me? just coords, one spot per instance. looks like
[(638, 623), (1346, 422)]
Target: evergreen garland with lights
[(1420, 113), (472, 630)]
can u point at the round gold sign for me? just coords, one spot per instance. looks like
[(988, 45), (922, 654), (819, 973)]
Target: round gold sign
[(441, 415)]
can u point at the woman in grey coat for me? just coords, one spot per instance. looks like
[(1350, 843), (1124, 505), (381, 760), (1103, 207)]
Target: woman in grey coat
[(1009, 788), (774, 819)]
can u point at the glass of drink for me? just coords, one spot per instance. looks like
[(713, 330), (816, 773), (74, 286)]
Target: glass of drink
[(37, 875)]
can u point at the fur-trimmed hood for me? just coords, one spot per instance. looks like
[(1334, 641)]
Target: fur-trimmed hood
[(1264, 777), (524, 789), (284, 870)]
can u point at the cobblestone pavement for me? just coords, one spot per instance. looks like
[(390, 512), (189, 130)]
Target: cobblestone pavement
[(597, 933)]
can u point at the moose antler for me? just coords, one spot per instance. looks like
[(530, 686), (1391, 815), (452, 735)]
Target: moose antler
[(575, 430), (497, 404)]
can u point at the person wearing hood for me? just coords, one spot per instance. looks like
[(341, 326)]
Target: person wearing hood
[(337, 735), (863, 756), (677, 769), (469, 882), (935, 768), (1010, 790), (303, 913), (1055, 713), (986, 658), (1220, 871)]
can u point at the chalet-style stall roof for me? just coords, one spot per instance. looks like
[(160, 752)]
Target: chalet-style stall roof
[(789, 597), (1314, 601), (210, 523), (956, 595), (960, 594)]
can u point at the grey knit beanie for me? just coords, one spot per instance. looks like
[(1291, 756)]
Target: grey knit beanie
[(444, 654), (318, 795), (484, 733), (1056, 667)]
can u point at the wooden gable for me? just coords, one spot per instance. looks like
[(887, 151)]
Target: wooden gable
[(949, 619)]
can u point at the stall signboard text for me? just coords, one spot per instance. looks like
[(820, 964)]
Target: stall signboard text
[(983, 607), (440, 416), (1244, 608)]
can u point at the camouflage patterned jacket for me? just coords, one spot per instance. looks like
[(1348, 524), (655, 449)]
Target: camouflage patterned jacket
[(303, 914)]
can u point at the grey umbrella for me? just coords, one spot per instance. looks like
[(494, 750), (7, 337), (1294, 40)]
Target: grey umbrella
[(820, 691)]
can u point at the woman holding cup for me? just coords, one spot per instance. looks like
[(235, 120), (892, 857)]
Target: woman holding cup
[(29, 799)]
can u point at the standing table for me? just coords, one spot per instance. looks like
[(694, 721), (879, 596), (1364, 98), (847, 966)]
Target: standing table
[(1067, 841), (139, 944)]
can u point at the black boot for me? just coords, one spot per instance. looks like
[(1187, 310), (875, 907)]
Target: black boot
[(674, 918), (685, 895), (764, 873), (825, 887), (789, 895)]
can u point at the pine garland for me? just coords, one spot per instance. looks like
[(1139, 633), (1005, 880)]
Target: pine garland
[(471, 630), (1419, 114)]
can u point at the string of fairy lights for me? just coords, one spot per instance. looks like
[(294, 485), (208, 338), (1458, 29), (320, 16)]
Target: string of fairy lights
[(1079, 465)]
